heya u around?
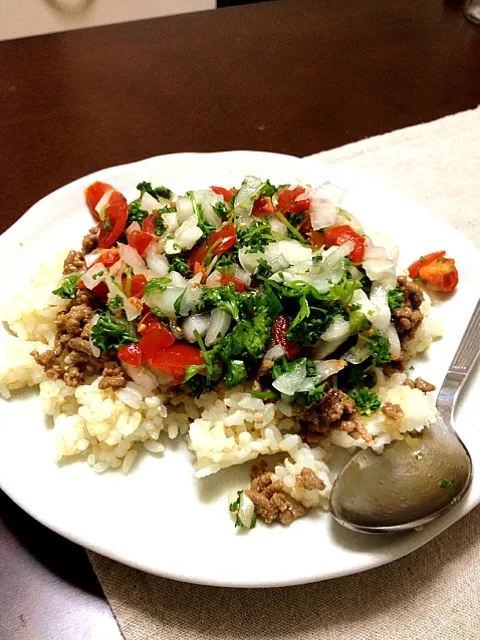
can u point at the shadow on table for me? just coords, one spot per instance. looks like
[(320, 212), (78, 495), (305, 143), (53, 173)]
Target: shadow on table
[(64, 558)]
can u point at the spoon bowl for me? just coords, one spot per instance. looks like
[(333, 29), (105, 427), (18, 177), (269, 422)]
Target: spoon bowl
[(419, 478)]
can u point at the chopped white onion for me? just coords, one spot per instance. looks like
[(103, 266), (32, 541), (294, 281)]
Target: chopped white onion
[(95, 350), (219, 325), (157, 262), (91, 257), (339, 329), (172, 247), (141, 376), (102, 203), (246, 511), (149, 203), (243, 276), (171, 220), (207, 199), (380, 263), (131, 228), (177, 280), (115, 289), (184, 209), (394, 340), (278, 228), (246, 195), (358, 353), (288, 383), (307, 385), (323, 349), (381, 316), (292, 251), (214, 279), (249, 261), (275, 352), (132, 258), (164, 301), (95, 274), (192, 295), (198, 322), (324, 205), (188, 233), (327, 368)]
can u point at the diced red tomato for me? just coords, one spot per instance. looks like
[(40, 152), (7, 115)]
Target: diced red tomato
[(198, 268), (423, 261), (137, 285), (279, 336), (226, 193), (140, 240), (114, 216), (101, 290), (108, 257), (286, 200), (94, 193), (217, 243), (130, 354), (154, 340), (226, 279), (147, 321), (176, 358), (148, 223), (263, 207), (438, 272), (336, 236)]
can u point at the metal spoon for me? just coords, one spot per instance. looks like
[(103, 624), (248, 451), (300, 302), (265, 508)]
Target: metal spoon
[(418, 479)]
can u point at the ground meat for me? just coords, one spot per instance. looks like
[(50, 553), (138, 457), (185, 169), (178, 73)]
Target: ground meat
[(392, 411), (397, 366), (113, 376), (74, 262), (308, 480), (271, 502), (423, 385), (90, 241), (71, 358), (264, 368), (335, 407), (407, 318)]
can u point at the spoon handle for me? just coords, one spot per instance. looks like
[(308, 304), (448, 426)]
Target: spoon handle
[(469, 347), (461, 366)]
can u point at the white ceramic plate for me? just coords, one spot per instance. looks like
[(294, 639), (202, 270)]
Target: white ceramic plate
[(159, 518)]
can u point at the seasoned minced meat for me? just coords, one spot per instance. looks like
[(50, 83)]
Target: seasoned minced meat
[(337, 411), (334, 407), (407, 318), (423, 385), (392, 411), (271, 502), (74, 262), (90, 241), (308, 480), (71, 358)]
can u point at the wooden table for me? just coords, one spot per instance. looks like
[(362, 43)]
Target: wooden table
[(294, 77)]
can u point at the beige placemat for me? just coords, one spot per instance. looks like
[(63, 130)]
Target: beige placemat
[(431, 594)]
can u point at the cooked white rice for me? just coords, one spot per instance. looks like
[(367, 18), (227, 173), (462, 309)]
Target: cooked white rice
[(109, 428)]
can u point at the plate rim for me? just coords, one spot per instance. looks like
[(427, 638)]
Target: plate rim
[(16, 228)]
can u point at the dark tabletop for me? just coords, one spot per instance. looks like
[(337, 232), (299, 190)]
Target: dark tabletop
[(292, 77)]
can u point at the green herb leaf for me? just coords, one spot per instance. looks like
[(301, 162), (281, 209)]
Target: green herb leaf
[(157, 284), (236, 373), (446, 483), (155, 192), (380, 347), (180, 266), (115, 302), (136, 213), (395, 299), (68, 288), (256, 236), (367, 401), (265, 395), (111, 332)]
